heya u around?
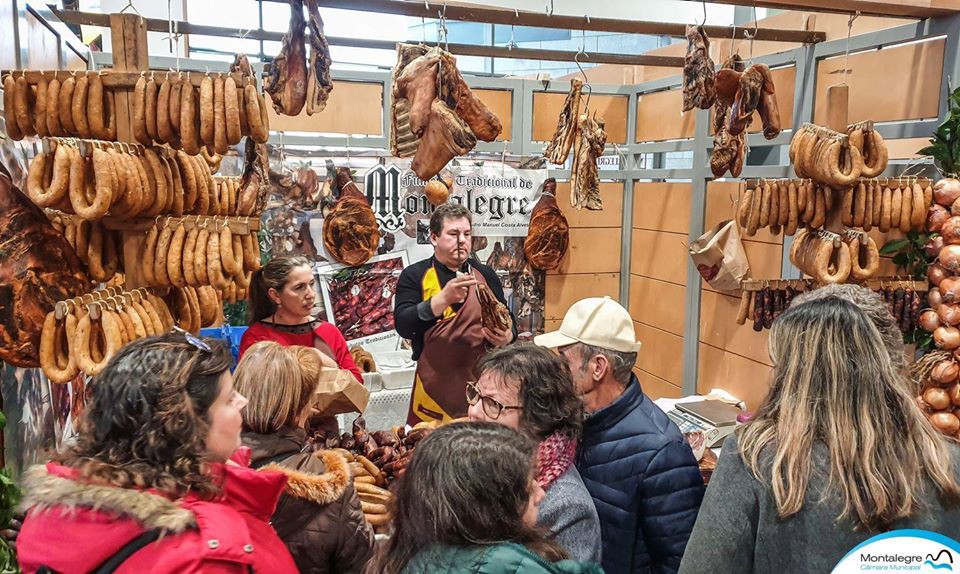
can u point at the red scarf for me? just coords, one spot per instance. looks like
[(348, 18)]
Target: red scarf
[(555, 455)]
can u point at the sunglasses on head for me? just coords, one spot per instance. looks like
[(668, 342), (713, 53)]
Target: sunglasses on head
[(491, 406), (192, 339)]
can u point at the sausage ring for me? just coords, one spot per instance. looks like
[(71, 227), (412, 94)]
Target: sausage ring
[(54, 338), (9, 107), (189, 122), (23, 98), (65, 106), (869, 268), (875, 154), (189, 254), (160, 260), (231, 106), (824, 261), (58, 165), (214, 267), (228, 257), (40, 109), (256, 114), (98, 172), (78, 108), (175, 257), (200, 256), (87, 331)]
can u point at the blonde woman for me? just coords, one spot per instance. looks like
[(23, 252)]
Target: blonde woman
[(319, 516), (837, 452)]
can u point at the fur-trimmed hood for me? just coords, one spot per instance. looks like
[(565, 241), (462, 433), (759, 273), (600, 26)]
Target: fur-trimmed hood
[(303, 482), (46, 486)]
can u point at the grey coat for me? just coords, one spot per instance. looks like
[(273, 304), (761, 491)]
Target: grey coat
[(568, 512), (738, 529)]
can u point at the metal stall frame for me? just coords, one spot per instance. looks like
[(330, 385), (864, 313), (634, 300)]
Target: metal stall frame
[(633, 167)]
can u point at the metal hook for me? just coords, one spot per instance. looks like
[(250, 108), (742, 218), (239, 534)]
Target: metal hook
[(550, 9), (586, 82), (704, 13)]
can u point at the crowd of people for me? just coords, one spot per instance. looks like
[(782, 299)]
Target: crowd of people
[(564, 465)]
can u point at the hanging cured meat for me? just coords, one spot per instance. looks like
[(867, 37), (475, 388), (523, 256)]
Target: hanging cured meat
[(254, 184), (403, 142), (494, 315), (471, 109), (728, 151), (549, 234), (584, 175), (287, 79), (445, 137), (699, 89), (562, 141), (350, 233), (319, 83), (748, 98), (37, 269), (767, 107), (435, 116)]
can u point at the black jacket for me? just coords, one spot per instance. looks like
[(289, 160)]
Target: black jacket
[(411, 312)]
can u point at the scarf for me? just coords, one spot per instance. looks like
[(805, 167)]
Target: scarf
[(555, 455)]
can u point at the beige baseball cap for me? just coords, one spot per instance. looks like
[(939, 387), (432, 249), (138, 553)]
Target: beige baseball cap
[(597, 321)]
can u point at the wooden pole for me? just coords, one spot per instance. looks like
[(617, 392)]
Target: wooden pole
[(838, 107)]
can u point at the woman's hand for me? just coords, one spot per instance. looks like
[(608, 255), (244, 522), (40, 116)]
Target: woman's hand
[(498, 338)]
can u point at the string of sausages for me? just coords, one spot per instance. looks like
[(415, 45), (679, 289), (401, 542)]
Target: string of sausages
[(762, 307), (99, 179), (789, 205)]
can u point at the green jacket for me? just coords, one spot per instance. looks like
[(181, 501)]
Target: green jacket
[(504, 558)]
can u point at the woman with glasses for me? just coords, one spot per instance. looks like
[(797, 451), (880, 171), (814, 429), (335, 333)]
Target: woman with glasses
[(529, 388), (468, 504), (150, 485), (319, 515)]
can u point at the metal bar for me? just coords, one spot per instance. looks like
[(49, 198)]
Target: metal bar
[(693, 291), (489, 15), (865, 7), (664, 146), (158, 25), (626, 241), (951, 66), (906, 33)]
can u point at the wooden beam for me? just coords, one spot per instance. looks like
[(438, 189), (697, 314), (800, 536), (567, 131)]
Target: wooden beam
[(470, 13), (918, 9), (488, 15), (157, 25)]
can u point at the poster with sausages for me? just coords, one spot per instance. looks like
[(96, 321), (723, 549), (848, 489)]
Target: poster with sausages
[(359, 300)]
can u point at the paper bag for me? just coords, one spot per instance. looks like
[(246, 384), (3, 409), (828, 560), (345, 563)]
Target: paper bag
[(339, 392), (720, 258)]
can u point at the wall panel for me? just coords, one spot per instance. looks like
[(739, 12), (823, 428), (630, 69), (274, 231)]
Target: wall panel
[(592, 250), (884, 83), (611, 193), (548, 105), (661, 353), (655, 387), (659, 255), (353, 108), (657, 303), (565, 290), (718, 328), (662, 206), (744, 378), (659, 117)]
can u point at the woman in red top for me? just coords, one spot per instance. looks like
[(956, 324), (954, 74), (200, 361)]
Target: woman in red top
[(282, 296)]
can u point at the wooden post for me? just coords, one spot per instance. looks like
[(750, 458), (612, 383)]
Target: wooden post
[(129, 39), (838, 101)]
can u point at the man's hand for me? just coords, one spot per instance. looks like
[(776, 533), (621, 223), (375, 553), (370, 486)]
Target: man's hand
[(498, 338), (454, 292)]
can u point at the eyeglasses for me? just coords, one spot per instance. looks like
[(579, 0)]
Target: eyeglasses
[(197, 342), (491, 406)]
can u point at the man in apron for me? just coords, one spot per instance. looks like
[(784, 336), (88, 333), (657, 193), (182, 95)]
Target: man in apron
[(437, 308)]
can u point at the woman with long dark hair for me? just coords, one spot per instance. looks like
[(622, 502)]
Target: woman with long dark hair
[(468, 503), (282, 297), (152, 482), (530, 389), (838, 452)]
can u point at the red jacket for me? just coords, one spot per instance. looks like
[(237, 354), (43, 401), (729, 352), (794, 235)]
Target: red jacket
[(73, 526), (262, 331)]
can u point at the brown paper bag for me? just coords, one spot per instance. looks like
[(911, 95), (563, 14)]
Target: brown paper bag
[(720, 257), (339, 392)]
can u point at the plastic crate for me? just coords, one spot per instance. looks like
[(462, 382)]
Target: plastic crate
[(231, 335)]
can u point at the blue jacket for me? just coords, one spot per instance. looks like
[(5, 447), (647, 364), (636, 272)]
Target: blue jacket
[(644, 481)]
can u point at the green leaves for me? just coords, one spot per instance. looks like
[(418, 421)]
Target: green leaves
[(944, 147), (908, 254)]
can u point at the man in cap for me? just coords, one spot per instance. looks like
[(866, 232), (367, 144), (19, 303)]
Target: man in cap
[(642, 475)]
